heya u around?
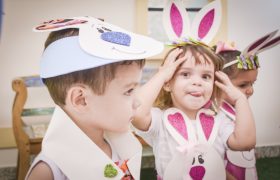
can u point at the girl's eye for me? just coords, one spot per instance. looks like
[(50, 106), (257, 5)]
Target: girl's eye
[(242, 85), (129, 92), (185, 74), (206, 76)]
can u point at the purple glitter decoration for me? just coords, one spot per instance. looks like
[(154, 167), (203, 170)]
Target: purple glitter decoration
[(176, 20), (244, 63), (197, 172), (252, 59), (177, 121), (205, 24), (116, 38)]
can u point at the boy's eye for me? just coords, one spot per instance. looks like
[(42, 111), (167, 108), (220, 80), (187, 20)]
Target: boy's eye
[(129, 92)]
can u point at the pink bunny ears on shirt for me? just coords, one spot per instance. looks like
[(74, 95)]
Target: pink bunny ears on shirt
[(248, 58), (202, 31)]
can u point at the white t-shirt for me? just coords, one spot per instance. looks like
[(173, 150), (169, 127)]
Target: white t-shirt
[(164, 145)]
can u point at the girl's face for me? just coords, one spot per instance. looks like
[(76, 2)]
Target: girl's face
[(114, 110), (245, 80), (192, 85)]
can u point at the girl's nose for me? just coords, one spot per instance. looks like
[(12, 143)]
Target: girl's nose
[(196, 80), (249, 91)]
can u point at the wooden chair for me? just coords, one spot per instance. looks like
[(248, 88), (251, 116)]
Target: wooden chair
[(28, 143)]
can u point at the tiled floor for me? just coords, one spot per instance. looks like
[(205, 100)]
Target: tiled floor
[(268, 168)]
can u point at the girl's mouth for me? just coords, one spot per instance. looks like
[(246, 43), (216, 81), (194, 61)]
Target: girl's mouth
[(196, 94)]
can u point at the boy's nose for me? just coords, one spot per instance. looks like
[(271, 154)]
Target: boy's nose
[(136, 103)]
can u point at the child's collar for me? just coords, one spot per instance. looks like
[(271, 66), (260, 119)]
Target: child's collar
[(79, 158), (228, 110), (181, 129)]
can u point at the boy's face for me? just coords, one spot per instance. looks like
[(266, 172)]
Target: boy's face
[(192, 85), (114, 110)]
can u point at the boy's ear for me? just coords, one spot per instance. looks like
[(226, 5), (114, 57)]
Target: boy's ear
[(76, 96), (167, 87)]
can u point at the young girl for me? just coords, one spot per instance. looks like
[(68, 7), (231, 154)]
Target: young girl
[(241, 165), (188, 141), (187, 82), (91, 69)]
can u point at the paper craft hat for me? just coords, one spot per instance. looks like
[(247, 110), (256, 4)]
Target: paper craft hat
[(98, 43), (248, 58), (179, 29)]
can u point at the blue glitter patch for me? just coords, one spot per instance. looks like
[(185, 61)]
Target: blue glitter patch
[(116, 38)]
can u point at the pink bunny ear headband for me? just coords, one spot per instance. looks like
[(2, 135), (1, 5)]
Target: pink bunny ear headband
[(180, 31), (97, 44), (248, 58)]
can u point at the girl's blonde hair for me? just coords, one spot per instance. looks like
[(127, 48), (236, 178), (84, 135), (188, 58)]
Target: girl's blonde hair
[(164, 100)]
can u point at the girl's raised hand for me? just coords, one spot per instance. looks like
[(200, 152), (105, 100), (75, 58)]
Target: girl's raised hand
[(228, 88), (171, 63)]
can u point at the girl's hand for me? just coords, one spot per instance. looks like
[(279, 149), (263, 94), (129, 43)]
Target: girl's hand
[(171, 63), (228, 88)]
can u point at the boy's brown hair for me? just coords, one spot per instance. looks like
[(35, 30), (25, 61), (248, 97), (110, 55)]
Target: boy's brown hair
[(164, 100), (97, 78)]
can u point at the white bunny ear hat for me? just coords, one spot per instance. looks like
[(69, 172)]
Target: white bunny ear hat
[(248, 58), (97, 44), (202, 30)]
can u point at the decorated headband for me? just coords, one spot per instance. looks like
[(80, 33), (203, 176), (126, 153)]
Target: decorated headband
[(202, 31), (248, 58), (97, 44)]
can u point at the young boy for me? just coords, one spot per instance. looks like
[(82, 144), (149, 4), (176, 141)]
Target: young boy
[(91, 69)]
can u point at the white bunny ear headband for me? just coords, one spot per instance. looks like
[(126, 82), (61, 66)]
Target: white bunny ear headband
[(97, 44), (202, 31), (248, 58)]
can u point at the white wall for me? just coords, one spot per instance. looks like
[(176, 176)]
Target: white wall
[(249, 20), (20, 48)]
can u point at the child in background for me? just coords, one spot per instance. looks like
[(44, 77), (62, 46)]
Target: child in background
[(241, 164), (188, 141), (91, 69)]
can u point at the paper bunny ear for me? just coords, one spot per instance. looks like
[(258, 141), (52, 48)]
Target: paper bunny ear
[(258, 44), (270, 44), (176, 21), (207, 22), (59, 24)]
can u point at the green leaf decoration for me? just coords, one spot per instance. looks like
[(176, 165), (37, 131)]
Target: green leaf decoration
[(110, 171)]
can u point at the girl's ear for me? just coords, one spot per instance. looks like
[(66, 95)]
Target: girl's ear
[(167, 87)]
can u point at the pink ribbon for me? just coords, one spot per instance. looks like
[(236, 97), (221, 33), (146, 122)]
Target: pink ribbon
[(222, 46)]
